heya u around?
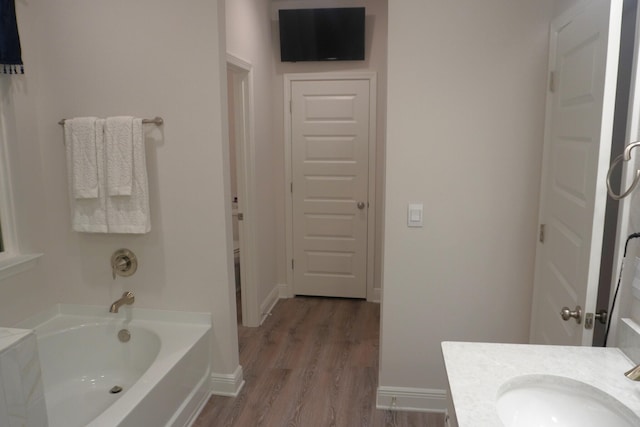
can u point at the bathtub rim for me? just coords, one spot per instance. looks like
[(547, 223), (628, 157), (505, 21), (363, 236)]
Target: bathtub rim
[(125, 313)]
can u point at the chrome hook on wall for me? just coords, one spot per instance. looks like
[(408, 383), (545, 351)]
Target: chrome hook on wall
[(626, 156)]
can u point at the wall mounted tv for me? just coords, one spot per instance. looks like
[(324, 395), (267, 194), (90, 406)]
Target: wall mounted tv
[(332, 34)]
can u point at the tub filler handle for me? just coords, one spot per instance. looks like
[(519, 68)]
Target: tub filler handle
[(123, 263)]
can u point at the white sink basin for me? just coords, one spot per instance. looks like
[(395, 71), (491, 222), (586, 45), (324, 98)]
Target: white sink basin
[(553, 401)]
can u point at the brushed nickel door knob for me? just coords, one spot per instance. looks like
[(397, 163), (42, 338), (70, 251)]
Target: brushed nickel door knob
[(566, 313)]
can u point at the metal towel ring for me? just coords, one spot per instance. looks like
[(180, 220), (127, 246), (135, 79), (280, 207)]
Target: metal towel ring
[(626, 156)]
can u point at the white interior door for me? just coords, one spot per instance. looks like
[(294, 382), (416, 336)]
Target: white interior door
[(584, 62), (329, 163)]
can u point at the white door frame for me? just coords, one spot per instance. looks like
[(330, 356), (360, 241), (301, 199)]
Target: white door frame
[(245, 167), (371, 220)]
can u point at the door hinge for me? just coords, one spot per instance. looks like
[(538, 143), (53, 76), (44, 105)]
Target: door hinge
[(292, 264), (240, 216), (552, 81), (541, 237), (291, 186), (290, 106)]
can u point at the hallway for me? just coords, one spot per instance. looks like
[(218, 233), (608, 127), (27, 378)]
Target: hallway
[(313, 363)]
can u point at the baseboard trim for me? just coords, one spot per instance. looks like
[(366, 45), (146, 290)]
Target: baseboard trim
[(269, 302), (285, 291), (411, 399), (227, 384), (376, 296)]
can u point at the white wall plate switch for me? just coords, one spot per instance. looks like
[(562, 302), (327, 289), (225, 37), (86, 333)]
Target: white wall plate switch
[(414, 215)]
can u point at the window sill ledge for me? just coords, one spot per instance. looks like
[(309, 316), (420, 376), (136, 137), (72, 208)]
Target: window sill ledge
[(17, 264)]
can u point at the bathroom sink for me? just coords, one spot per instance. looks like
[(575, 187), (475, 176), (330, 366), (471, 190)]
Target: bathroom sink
[(548, 400)]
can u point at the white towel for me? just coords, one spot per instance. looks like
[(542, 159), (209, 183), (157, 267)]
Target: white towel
[(90, 215), (80, 142), (130, 214), (119, 152)]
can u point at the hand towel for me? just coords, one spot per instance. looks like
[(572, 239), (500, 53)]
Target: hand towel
[(90, 215), (130, 214), (119, 151), (80, 143)]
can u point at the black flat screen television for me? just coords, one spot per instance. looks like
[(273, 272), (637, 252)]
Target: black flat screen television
[(332, 34)]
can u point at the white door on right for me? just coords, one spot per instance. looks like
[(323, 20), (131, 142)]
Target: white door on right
[(584, 62)]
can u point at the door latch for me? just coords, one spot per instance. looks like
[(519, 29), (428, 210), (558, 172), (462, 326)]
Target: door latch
[(601, 316), (588, 321)]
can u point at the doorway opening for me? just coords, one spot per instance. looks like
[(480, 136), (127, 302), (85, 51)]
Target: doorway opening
[(623, 93), (583, 70), (241, 161)]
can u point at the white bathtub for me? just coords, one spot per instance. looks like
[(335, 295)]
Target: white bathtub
[(163, 370)]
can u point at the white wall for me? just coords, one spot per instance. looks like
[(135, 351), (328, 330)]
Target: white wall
[(248, 38), (628, 302), (628, 298), (466, 95), (375, 60), (145, 58)]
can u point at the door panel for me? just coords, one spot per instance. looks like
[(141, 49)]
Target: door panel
[(579, 123), (330, 152)]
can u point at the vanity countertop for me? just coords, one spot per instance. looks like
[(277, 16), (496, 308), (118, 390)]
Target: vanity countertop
[(476, 371)]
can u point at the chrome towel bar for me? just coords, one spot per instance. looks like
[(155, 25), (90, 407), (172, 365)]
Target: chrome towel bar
[(626, 156), (156, 121)]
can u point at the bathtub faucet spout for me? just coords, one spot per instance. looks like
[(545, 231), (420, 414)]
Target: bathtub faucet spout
[(127, 298)]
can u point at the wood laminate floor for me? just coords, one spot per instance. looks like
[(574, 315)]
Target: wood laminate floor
[(313, 363)]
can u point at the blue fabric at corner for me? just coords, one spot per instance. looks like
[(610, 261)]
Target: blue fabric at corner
[(10, 52)]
